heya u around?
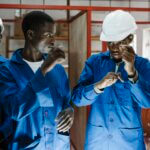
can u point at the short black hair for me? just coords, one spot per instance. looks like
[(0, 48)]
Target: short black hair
[(34, 20)]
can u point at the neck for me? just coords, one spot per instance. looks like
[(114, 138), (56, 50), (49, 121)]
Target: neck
[(118, 60), (31, 54)]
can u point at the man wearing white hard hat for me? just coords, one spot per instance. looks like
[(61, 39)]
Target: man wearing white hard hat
[(116, 84)]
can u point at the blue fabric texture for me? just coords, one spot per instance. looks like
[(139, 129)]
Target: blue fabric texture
[(34, 101), (2, 59), (5, 122), (114, 121)]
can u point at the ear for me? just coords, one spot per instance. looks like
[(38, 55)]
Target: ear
[(30, 34)]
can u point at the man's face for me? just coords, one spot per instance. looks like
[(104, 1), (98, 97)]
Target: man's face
[(43, 39), (116, 49)]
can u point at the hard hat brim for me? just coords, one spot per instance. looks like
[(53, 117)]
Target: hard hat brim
[(119, 37), (2, 26)]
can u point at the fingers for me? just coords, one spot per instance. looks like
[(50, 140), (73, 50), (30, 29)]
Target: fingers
[(65, 119), (68, 126), (65, 124), (62, 121), (128, 53), (56, 54), (120, 78), (112, 76), (60, 116)]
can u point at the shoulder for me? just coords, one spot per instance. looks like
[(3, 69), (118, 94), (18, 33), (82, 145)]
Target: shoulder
[(2, 59), (141, 61), (98, 58)]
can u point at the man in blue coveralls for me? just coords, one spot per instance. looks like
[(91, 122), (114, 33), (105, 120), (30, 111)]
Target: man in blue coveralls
[(35, 90), (5, 122), (116, 84)]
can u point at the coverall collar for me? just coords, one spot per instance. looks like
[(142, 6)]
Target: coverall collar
[(17, 57)]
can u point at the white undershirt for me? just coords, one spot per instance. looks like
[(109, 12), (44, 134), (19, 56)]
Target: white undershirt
[(34, 65)]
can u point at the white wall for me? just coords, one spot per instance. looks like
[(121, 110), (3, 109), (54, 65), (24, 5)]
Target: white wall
[(140, 37)]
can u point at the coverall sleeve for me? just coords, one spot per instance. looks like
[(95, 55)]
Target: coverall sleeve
[(141, 89), (64, 87), (83, 94), (21, 102)]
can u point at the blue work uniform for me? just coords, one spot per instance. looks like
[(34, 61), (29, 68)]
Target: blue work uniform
[(5, 122), (114, 121), (34, 101), (2, 59)]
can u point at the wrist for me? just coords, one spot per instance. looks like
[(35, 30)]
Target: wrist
[(133, 78), (131, 71), (132, 74), (98, 89)]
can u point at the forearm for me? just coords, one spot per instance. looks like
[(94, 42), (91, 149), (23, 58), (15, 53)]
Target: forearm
[(84, 95), (140, 90)]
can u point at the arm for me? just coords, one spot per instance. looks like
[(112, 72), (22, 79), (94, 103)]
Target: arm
[(21, 102), (138, 70), (84, 93), (141, 89), (66, 89), (65, 118)]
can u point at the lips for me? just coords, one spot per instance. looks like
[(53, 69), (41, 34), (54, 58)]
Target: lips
[(116, 53)]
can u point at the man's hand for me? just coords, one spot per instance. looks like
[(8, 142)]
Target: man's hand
[(55, 56), (108, 80), (128, 56), (65, 119)]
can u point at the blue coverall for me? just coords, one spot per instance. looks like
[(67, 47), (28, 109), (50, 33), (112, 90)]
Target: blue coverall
[(5, 122), (2, 59), (34, 101), (114, 121)]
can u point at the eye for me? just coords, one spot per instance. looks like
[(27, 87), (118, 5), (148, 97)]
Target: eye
[(110, 43), (51, 35)]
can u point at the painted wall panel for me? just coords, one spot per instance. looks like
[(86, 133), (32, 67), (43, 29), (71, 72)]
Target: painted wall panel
[(77, 57)]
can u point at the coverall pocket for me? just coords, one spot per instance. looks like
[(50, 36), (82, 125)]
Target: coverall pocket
[(94, 133), (132, 135)]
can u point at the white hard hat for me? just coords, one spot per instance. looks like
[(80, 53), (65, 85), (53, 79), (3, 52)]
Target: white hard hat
[(2, 26), (117, 25)]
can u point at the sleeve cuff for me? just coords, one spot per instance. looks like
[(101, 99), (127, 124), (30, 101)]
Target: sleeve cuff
[(133, 79), (98, 91), (90, 93)]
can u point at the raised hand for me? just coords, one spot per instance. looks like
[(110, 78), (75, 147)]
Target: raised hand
[(108, 80), (128, 56), (55, 56)]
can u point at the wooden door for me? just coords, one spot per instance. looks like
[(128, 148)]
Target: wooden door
[(77, 57)]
